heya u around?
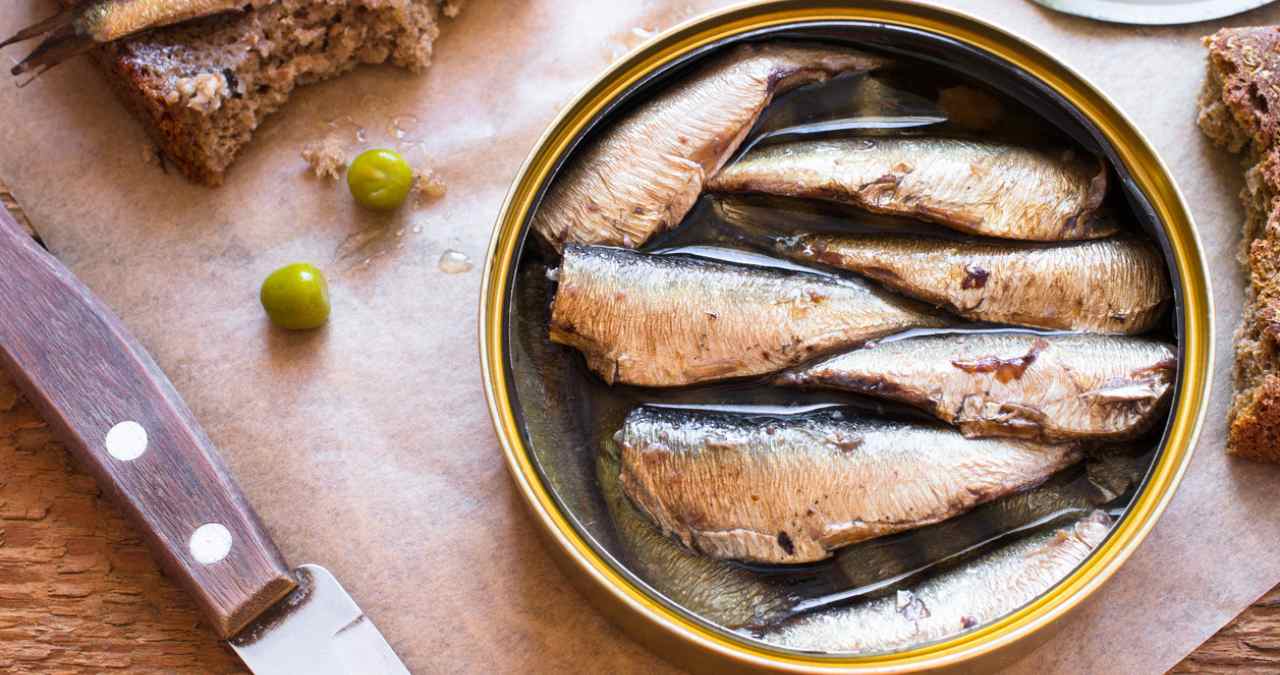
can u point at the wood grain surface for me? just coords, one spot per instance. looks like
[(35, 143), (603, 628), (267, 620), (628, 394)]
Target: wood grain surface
[(79, 592), (1249, 644), (88, 376)]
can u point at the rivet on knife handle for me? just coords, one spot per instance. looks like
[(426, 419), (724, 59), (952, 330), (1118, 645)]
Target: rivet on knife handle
[(120, 415)]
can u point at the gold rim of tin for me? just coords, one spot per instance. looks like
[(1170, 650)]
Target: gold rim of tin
[(658, 625)]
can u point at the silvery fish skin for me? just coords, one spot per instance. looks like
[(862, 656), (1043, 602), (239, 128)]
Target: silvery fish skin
[(713, 589), (867, 105), (977, 187), (1071, 493), (644, 173), (737, 598), (793, 489), (1044, 387), (1113, 286), (956, 601), (108, 20), (671, 320)]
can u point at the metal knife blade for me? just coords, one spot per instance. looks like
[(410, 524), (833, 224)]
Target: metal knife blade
[(318, 630), (1152, 12), (118, 413)]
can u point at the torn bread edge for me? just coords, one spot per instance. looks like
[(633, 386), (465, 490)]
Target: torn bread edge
[(1239, 109)]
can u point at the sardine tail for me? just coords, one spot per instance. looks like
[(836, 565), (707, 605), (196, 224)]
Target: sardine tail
[(57, 21), (59, 46)]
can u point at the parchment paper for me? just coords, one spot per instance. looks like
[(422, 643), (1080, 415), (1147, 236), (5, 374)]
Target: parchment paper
[(366, 446)]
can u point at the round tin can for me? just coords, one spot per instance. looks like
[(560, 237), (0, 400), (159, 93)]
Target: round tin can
[(529, 435)]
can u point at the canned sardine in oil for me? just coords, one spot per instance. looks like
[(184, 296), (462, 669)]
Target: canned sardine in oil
[(715, 483)]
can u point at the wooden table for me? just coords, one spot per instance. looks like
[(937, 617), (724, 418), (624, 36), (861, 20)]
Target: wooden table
[(80, 594)]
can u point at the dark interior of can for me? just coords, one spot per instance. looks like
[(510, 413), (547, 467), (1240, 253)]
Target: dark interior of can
[(558, 403)]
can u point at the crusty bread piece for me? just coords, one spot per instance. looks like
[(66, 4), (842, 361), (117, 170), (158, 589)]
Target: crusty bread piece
[(1240, 111), (201, 88)]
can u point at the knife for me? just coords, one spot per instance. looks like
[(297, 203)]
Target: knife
[(117, 412)]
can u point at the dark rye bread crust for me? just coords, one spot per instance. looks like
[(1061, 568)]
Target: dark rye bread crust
[(200, 89), (1240, 110)]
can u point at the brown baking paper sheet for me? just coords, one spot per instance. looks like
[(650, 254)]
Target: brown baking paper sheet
[(366, 446)]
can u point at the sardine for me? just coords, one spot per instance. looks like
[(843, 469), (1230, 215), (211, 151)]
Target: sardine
[(643, 174), (1044, 387), (740, 598), (871, 566), (864, 105), (977, 187), (670, 320), (713, 589), (81, 26), (1113, 286), (953, 602), (793, 489)]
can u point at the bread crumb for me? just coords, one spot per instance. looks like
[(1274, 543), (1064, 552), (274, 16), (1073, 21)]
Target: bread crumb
[(427, 186), (327, 157), (204, 92)]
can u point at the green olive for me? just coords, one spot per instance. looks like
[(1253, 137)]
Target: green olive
[(380, 179), (296, 297)]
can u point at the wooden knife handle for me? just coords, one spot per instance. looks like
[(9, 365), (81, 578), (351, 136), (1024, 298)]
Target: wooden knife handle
[(122, 418)]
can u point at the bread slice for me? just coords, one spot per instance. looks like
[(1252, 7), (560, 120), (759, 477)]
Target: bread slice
[(201, 88), (1240, 111)]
